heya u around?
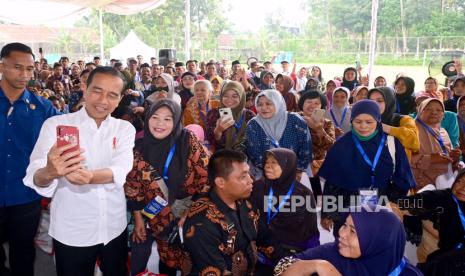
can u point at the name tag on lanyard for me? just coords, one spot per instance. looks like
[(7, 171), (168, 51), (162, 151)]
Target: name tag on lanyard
[(368, 196)]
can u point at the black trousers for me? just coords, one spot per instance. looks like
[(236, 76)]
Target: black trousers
[(80, 261), (18, 227)]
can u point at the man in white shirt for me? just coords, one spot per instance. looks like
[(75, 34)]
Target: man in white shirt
[(88, 209)]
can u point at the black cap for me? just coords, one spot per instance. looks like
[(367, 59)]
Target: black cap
[(179, 63)]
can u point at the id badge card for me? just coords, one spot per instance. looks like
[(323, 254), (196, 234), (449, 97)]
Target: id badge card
[(154, 207), (369, 196)]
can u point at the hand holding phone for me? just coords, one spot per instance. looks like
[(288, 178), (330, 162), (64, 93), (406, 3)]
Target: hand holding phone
[(67, 135), (318, 115), (226, 114)]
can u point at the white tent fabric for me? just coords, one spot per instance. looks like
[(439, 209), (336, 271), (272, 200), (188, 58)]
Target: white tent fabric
[(34, 12), (131, 46)]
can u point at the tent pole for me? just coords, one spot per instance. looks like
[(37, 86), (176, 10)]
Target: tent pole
[(187, 28), (100, 15), (374, 23)]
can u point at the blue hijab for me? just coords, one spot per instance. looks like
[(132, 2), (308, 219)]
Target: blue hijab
[(345, 167), (381, 237)]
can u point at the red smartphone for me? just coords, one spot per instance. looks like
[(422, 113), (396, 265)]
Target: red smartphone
[(68, 135)]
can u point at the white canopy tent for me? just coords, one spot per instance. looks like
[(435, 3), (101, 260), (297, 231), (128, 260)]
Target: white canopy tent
[(131, 46)]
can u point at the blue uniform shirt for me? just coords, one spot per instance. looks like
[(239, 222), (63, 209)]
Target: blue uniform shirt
[(20, 125)]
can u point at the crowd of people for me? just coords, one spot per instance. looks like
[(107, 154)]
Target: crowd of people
[(205, 157)]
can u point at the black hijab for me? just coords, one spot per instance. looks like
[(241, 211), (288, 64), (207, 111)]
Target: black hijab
[(301, 220), (156, 151), (406, 100), (350, 84), (389, 116)]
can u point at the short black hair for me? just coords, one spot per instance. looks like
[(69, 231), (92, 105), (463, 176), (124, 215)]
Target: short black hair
[(210, 63), (118, 64), (15, 47), (57, 64), (90, 63), (106, 70), (64, 58), (179, 64), (284, 62), (96, 57), (221, 163), (145, 65), (266, 62), (191, 60)]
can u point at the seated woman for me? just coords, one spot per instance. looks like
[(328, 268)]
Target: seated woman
[(371, 243), (380, 81), (216, 83), (405, 100), (339, 113), (330, 87), (187, 84), (364, 161), (431, 89), (164, 88), (266, 80), (315, 72), (446, 209), (295, 231), (224, 133), (436, 156), (171, 164), (274, 127), (198, 106), (321, 131), (360, 93), (350, 78), (284, 85), (400, 126)]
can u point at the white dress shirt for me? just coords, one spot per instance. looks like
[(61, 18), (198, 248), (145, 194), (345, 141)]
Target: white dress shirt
[(86, 215)]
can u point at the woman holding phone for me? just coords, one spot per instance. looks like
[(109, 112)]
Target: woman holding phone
[(313, 105), (226, 125)]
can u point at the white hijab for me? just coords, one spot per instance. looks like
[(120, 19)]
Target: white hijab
[(274, 126)]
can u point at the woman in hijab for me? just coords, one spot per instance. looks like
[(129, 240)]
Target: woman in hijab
[(171, 164), (321, 131), (228, 132), (350, 79), (405, 100), (436, 154), (367, 161), (431, 89), (216, 83), (187, 84), (330, 87), (164, 88), (371, 243), (274, 127), (266, 80), (400, 126), (295, 231), (360, 93), (312, 84), (339, 113), (449, 259), (284, 85), (197, 107)]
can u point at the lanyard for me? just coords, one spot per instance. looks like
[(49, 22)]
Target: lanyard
[(274, 142), (432, 133), (339, 124), (365, 156), (203, 117), (397, 107), (399, 268), (167, 163), (462, 218), (461, 123), (238, 126), (270, 202)]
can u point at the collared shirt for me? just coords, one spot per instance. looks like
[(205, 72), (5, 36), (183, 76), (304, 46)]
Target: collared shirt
[(86, 215), (20, 124)]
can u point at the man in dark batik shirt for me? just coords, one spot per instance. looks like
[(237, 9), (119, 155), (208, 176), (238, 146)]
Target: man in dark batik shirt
[(222, 229)]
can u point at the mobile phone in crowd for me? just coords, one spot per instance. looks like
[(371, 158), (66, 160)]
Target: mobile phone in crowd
[(68, 135), (226, 114)]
